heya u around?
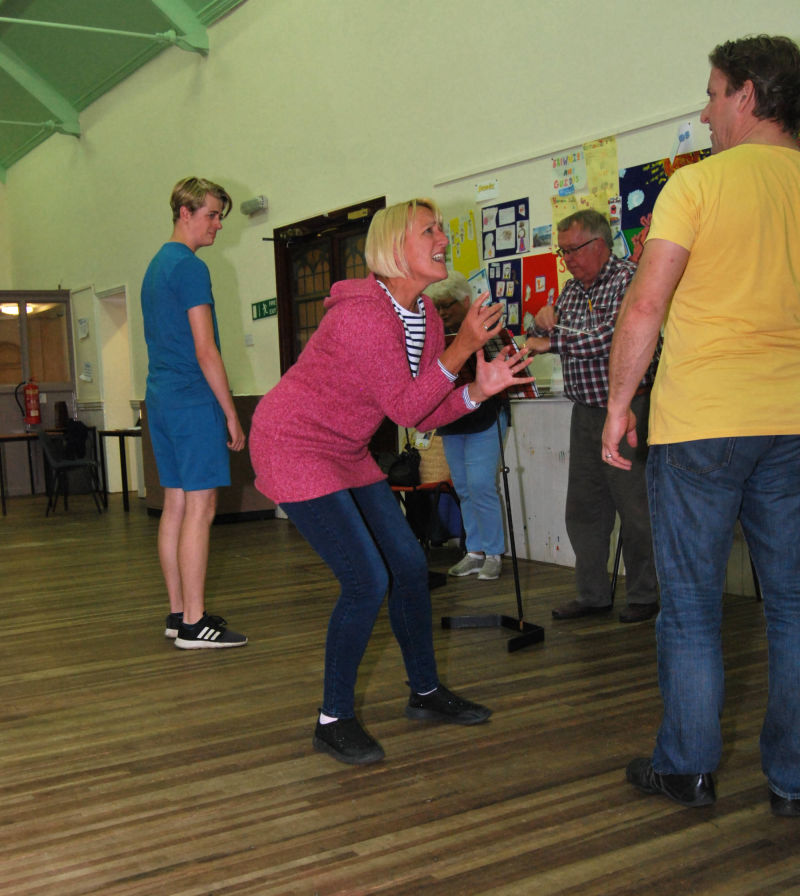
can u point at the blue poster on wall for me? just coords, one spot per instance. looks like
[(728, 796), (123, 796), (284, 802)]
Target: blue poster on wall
[(639, 187), (506, 229)]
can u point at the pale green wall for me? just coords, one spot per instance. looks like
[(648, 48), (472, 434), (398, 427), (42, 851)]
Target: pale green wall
[(320, 104)]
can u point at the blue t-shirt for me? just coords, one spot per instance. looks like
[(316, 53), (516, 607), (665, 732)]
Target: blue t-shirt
[(176, 280)]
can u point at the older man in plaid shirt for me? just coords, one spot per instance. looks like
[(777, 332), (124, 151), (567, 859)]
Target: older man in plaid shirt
[(579, 328)]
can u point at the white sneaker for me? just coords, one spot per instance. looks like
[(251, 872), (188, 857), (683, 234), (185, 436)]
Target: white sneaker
[(467, 565), (491, 568)]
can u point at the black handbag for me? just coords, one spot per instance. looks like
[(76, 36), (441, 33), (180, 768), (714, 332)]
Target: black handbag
[(404, 470)]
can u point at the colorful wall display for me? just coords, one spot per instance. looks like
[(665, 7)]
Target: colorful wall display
[(506, 229), (505, 285), (639, 186), (463, 248), (539, 285), (593, 179)]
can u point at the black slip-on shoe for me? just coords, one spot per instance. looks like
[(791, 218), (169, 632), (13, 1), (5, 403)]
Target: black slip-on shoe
[(445, 706), (688, 790), (638, 612), (783, 806), (575, 609), (347, 741)]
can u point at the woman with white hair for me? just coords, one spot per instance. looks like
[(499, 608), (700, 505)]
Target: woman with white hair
[(379, 351), (472, 445)]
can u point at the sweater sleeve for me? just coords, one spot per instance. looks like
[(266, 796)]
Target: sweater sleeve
[(378, 362)]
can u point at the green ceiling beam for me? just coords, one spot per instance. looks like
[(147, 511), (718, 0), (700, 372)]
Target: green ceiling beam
[(193, 34), (195, 43), (65, 113)]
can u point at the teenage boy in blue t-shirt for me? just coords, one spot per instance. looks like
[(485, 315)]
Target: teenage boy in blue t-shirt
[(190, 411)]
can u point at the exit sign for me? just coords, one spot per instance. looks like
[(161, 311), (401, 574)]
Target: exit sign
[(264, 308)]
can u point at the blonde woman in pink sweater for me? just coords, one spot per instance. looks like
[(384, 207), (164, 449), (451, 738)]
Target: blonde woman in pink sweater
[(379, 352)]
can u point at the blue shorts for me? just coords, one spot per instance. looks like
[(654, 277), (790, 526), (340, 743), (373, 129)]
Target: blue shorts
[(190, 446)]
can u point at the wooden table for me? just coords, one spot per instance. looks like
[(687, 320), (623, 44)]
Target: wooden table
[(15, 437), (135, 432)]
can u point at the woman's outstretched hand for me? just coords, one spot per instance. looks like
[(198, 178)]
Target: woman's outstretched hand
[(479, 325), (499, 373)]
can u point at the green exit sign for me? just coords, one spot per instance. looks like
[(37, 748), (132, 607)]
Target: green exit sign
[(264, 308)]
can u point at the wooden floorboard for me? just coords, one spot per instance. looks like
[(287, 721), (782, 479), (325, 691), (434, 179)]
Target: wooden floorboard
[(131, 768)]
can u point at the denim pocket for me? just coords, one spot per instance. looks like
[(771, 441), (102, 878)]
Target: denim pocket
[(701, 456)]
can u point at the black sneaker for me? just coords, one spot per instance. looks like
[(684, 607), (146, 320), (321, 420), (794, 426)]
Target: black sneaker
[(347, 741), (173, 621), (445, 706), (209, 631)]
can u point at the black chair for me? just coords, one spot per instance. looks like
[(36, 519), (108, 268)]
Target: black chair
[(61, 460)]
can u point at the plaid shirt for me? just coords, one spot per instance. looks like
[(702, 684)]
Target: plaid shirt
[(584, 356)]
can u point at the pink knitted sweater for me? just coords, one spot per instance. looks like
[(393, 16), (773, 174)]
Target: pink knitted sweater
[(310, 433)]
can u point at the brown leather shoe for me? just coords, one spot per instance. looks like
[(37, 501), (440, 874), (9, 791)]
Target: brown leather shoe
[(638, 612), (575, 609)]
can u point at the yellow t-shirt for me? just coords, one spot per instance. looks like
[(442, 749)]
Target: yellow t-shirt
[(731, 359)]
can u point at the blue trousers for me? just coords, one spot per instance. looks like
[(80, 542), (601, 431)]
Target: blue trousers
[(697, 490), (364, 538), (473, 458)]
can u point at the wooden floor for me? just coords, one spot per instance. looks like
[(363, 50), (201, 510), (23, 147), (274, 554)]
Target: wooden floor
[(130, 767)]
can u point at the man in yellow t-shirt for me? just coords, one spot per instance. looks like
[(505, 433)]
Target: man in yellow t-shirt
[(722, 263)]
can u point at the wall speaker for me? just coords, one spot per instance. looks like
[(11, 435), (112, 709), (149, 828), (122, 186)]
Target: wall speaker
[(253, 206)]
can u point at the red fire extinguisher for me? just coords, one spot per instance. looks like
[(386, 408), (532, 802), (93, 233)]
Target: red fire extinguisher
[(31, 411)]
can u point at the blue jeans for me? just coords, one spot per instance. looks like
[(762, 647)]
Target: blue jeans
[(364, 538), (697, 490), (473, 458)]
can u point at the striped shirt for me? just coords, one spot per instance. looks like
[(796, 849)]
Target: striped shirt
[(414, 327)]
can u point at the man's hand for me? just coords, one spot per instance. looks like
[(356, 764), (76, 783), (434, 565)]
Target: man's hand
[(619, 425), (546, 318), (537, 345)]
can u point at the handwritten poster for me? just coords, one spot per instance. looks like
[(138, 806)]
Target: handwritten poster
[(597, 187), (569, 172)]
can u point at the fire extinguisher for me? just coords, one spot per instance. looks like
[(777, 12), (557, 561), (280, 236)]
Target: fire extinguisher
[(30, 411)]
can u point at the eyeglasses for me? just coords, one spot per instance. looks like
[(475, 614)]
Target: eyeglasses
[(443, 306), (565, 253)]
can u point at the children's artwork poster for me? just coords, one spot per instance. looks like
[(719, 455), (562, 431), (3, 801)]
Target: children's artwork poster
[(639, 187), (506, 229), (505, 285), (539, 285), (464, 254), (569, 172)]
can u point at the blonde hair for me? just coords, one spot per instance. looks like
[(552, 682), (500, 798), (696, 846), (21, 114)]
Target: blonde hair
[(191, 192), (386, 239)]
